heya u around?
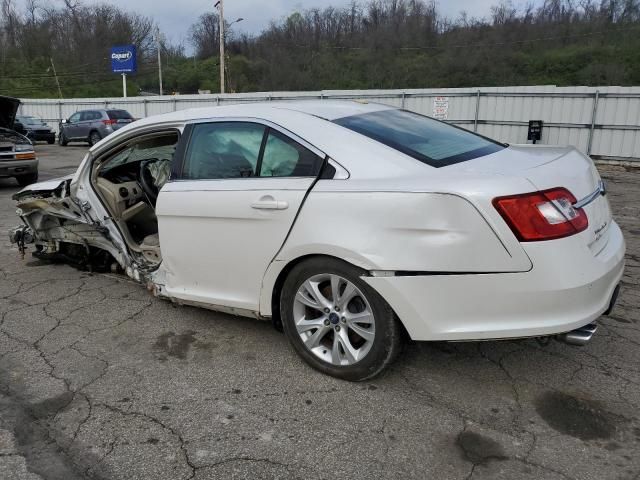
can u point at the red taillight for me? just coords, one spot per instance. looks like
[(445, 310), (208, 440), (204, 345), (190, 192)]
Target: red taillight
[(110, 122), (542, 215)]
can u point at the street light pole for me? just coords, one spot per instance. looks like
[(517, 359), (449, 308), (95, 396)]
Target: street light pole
[(220, 7), (221, 17), (159, 58), (56, 76)]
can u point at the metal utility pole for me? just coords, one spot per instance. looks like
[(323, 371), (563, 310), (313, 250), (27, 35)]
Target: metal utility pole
[(221, 18), (124, 85), (56, 77), (159, 47)]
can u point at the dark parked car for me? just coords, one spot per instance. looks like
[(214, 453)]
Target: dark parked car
[(34, 129), (17, 157), (92, 125)]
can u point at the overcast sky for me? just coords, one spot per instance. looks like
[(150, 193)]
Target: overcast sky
[(175, 18)]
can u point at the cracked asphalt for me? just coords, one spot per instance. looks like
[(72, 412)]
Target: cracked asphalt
[(99, 380)]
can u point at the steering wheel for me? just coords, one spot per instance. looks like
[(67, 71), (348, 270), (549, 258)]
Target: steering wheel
[(146, 180)]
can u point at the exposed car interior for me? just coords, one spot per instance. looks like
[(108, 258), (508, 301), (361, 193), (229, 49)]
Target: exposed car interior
[(128, 182), (129, 178)]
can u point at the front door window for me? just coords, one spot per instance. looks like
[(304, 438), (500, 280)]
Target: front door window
[(223, 150)]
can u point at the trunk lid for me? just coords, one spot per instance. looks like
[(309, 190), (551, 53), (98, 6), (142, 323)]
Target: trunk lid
[(549, 167)]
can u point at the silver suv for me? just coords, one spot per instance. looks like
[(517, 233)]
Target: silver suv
[(92, 125)]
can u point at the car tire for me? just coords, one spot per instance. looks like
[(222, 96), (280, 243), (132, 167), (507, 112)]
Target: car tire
[(94, 137), (62, 139), (51, 141), (334, 346), (24, 180)]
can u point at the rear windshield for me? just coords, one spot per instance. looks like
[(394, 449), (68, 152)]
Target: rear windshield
[(435, 143), (119, 115)]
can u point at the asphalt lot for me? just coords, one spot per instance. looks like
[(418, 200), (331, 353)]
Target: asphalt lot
[(98, 379)]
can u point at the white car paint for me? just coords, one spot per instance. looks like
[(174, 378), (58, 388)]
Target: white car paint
[(237, 239), (430, 239), (564, 290)]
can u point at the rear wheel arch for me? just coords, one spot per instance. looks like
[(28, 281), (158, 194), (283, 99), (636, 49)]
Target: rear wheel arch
[(370, 354), (282, 276)]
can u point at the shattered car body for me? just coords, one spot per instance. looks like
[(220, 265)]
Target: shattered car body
[(72, 223), (61, 224), (344, 223)]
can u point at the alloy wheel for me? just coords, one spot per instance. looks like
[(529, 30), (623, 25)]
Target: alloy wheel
[(334, 319)]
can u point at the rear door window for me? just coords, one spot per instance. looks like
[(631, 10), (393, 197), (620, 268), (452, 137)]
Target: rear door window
[(430, 141), (284, 157), (89, 116)]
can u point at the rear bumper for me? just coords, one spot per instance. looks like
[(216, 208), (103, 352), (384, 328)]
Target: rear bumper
[(15, 168), (567, 288)]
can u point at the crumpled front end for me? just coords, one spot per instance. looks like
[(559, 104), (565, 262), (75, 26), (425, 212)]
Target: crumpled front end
[(62, 230)]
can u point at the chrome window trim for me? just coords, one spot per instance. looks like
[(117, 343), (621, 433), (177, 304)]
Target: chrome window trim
[(341, 172)]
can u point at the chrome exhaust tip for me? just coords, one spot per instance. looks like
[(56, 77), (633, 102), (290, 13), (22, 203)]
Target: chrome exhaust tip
[(579, 336)]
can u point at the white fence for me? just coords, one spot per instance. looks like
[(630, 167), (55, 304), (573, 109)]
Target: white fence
[(601, 121)]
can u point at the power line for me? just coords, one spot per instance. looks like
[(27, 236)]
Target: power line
[(73, 74), (107, 78)]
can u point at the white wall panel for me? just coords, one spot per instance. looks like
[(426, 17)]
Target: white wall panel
[(503, 112)]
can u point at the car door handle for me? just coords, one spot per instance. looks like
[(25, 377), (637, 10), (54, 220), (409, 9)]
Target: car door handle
[(269, 203)]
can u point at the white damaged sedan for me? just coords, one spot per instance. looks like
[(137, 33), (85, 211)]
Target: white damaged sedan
[(349, 225)]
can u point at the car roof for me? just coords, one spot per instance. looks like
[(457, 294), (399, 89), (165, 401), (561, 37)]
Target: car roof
[(309, 120), (332, 109), (325, 109), (97, 109), (102, 109)]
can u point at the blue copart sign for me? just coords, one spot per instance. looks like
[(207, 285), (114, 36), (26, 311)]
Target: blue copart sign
[(123, 59)]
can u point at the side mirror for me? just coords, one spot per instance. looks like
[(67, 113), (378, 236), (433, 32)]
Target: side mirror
[(64, 120)]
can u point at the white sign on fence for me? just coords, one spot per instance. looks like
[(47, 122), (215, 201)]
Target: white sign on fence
[(440, 108)]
